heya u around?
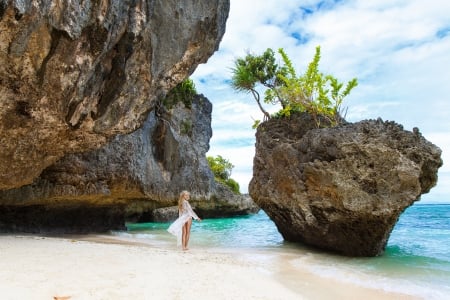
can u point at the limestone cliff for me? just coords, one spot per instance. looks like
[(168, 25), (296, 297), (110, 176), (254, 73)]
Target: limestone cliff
[(341, 188), (128, 179), (73, 74)]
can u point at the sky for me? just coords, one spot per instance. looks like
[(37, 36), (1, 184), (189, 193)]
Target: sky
[(399, 50)]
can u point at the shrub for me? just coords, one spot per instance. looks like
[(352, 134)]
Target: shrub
[(221, 169), (184, 92)]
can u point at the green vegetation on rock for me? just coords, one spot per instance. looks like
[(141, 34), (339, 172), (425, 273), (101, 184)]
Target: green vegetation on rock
[(222, 168), (184, 92), (313, 92)]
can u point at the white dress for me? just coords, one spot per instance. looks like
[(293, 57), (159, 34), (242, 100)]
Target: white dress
[(176, 228)]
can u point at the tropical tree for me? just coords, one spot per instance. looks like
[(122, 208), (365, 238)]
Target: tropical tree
[(253, 70)]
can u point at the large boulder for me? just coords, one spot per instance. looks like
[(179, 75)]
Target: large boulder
[(342, 188), (73, 74), (133, 178)]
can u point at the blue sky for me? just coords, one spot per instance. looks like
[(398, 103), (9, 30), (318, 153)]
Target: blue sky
[(398, 49)]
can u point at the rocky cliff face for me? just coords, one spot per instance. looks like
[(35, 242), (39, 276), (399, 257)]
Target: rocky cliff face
[(85, 143), (342, 188), (129, 179), (73, 74)]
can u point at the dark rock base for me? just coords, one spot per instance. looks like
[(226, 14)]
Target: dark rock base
[(40, 219)]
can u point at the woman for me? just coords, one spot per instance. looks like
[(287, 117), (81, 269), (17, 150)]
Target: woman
[(181, 228)]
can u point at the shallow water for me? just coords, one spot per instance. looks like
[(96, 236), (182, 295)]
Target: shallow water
[(416, 260)]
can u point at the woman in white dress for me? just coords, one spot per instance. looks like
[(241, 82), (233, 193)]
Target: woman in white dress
[(181, 228)]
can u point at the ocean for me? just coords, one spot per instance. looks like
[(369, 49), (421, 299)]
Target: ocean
[(416, 260)]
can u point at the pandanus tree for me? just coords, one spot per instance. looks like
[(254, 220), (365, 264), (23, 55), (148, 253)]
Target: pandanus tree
[(313, 92), (252, 70)]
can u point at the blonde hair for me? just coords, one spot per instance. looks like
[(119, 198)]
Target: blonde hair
[(181, 198)]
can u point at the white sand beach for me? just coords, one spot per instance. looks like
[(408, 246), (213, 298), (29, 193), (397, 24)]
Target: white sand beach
[(34, 267)]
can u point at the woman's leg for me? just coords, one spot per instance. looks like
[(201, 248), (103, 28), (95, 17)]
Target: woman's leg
[(188, 231), (183, 236)]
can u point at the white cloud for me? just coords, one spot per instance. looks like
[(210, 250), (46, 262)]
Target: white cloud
[(398, 50)]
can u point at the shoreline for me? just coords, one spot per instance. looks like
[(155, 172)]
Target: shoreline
[(107, 267)]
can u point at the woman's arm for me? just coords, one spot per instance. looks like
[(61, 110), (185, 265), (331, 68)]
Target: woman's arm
[(189, 210)]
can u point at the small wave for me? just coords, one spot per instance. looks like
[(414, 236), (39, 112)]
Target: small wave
[(427, 287)]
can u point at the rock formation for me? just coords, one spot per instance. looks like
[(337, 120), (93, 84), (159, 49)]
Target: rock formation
[(342, 188), (224, 204), (73, 74), (85, 143), (129, 179)]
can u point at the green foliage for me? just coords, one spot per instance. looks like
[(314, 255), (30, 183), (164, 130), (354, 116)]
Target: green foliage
[(233, 185), (251, 70), (184, 92), (256, 124), (221, 169), (186, 127), (314, 92), (254, 69), (220, 166)]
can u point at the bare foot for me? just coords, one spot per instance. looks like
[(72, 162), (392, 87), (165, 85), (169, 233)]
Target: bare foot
[(61, 297)]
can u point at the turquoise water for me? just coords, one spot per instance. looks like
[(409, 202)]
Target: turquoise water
[(416, 260)]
